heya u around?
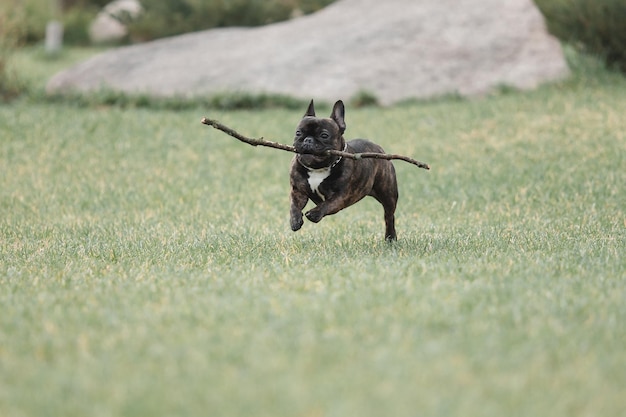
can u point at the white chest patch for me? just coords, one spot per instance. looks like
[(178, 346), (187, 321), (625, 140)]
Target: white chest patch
[(316, 177)]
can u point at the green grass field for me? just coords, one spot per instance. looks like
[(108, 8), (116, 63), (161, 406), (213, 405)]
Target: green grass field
[(147, 267)]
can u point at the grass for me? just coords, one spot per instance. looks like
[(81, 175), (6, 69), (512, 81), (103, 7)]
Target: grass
[(147, 267)]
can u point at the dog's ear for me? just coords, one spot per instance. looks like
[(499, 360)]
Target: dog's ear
[(338, 115), (311, 110)]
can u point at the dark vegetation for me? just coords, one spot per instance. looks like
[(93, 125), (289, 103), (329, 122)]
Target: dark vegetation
[(592, 26)]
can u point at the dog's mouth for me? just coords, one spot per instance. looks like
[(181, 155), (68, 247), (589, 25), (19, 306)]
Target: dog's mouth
[(312, 153), (305, 148), (315, 161)]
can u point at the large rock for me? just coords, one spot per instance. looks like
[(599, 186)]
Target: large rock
[(395, 49)]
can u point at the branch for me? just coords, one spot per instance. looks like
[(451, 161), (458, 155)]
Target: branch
[(262, 142)]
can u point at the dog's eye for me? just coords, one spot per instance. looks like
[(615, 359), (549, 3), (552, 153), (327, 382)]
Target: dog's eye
[(324, 135), (298, 133)]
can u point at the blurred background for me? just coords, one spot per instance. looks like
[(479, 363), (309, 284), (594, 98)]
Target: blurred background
[(593, 27)]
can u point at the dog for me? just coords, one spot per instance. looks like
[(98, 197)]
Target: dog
[(333, 182)]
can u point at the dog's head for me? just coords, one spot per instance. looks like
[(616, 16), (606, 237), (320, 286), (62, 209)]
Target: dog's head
[(315, 135)]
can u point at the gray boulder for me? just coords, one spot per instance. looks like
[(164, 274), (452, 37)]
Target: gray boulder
[(395, 49)]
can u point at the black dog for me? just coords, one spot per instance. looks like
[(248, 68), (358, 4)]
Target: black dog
[(334, 183)]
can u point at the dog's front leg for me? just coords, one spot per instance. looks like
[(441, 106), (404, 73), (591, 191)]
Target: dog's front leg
[(316, 214), (298, 201), (328, 207)]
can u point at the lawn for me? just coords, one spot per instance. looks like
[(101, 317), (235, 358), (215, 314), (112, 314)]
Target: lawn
[(147, 267)]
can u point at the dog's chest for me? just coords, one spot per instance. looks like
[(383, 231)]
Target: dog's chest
[(316, 177)]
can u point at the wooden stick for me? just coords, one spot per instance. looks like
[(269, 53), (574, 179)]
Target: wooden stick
[(262, 142)]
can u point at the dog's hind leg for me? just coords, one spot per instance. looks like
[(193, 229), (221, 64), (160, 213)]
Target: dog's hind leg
[(385, 190), (390, 228), (389, 205)]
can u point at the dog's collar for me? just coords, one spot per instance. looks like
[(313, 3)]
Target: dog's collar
[(331, 166)]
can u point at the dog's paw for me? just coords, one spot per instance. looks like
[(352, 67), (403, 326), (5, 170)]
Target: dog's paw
[(314, 215), (296, 223)]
